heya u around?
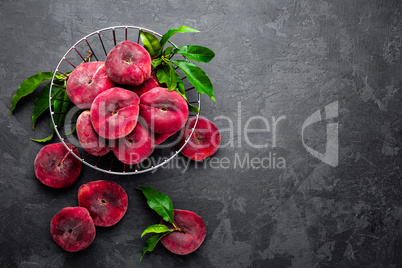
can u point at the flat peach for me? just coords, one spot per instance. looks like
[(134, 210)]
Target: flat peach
[(89, 139), (190, 237), (86, 82), (204, 142), (159, 138), (114, 113), (56, 167), (73, 229), (128, 64), (135, 147), (163, 111), (106, 201)]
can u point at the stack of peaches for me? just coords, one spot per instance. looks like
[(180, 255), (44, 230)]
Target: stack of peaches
[(114, 112), (127, 106)]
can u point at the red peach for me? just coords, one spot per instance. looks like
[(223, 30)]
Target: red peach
[(163, 111), (135, 147), (89, 139), (106, 201), (159, 138), (56, 167), (128, 64), (73, 229), (204, 142), (114, 113), (86, 82), (190, 237), (146, 86)]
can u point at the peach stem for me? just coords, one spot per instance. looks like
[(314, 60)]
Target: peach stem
[(62, 160), (181, 230)]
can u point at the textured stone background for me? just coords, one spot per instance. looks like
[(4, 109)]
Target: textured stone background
[(273, 58)]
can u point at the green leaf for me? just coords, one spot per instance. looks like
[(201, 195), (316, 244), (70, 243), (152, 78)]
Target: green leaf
[(182, 91), (47, 138), (60, 76), (167, 75), (156, 228), (191, 107), (173, 31), (61, 105), (72, 131), (151, 243), (197, 77), (163, 75), (168, 51), (28, 86), (41, 104), (180, 86), (156, 62), (159, 202), (172, 77), (151, 44), (42, 101), (197, 53)]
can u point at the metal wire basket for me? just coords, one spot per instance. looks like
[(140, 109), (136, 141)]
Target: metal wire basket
[(97, 44)]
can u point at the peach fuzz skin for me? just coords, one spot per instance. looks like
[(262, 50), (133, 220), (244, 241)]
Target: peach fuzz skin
[(114, 113), (204, 142), (56, 167), (135, 147), (89, 139), (163, 111), (106, 201), (86, 82), (149, 84), (128, 64), (73, 229), (159, 138)]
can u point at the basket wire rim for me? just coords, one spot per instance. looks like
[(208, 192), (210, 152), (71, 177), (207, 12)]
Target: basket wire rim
[(153, 167)]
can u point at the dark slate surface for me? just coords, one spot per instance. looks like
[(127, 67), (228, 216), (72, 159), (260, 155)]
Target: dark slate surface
[(273, 58)]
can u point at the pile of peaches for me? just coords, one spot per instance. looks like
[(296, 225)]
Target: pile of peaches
[(117, 93), (129, 111), (124, 110)]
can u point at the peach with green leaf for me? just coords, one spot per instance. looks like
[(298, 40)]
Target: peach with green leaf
[(180, 231), (190, 232)]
